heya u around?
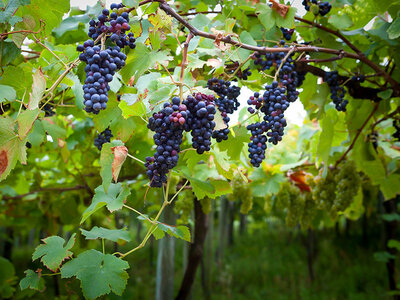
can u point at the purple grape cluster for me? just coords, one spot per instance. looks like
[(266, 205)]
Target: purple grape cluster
[(337, 91), (226, 103), (323, 7), (102, 138), (200, 121), (100, 68), (168, 125), (245, 74), (102, 64), (114, 25), (287, 33), (272, 103), (48, 110)]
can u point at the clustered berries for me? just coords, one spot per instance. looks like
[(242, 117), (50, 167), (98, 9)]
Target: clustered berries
[(287, 33), (337, 91), (226, 103), (272, 103), (168, 125), (322, 8), (200, 121), (102, 64), (100, 68), (102, 138)]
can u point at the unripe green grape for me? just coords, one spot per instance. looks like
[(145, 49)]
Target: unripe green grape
[(241, 191), (324, 191), (348, 182), (206, 205), (184, 206), (309, 211)]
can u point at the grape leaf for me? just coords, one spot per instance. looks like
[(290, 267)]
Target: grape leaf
[(53, 252), (38, 88), (180, 232), (7, 278), (120, 153), (114, 199), (99, 273), (7, 93), (32, 280), (106, 160), (104, 233), (25, 122)]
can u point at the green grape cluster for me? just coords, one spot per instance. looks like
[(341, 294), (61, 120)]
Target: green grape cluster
[(301, 207), (184, 206), (309, 211), (242, 192), (348, 182), (324, 190), (206, 205), (336, 191)]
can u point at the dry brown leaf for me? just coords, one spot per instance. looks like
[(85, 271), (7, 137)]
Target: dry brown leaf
[(120, 154), (280, 8)]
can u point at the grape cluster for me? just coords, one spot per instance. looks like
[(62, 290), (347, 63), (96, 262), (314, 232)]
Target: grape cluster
[(272, 103), (184, 206), (335, 192), (358, 78), (321, 8), (48, 110), (243, 193), (102, 138), (102, 64), (200, 120), (244, 74), (115, 25), (100, 68), (287, 33), (226, 103), (168, 125), (337, 91)]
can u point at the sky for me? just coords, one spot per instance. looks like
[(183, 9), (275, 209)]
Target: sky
[(295, 114)]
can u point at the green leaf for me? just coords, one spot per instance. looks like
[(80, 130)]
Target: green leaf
[(77, 90), (25, 122), (340, 21), (391, 217), (264, 14), (9, 52), (131, 106), (390, 186), (385, 95), (326, 136), (38, 88), (383, 256), (106, 159), (180, 232), (394, 28), (28, 23), (394, 244), (99, 273), (53, 252), (287, 21), (141, 60), (114, 199), (104, 233), (7, 93), (32, 280), (7, 278), (12, 148)]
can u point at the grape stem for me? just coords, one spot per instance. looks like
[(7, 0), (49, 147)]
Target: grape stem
[(240, 66), (283, 61), (154, 222), (184, 63), (135, 158)]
